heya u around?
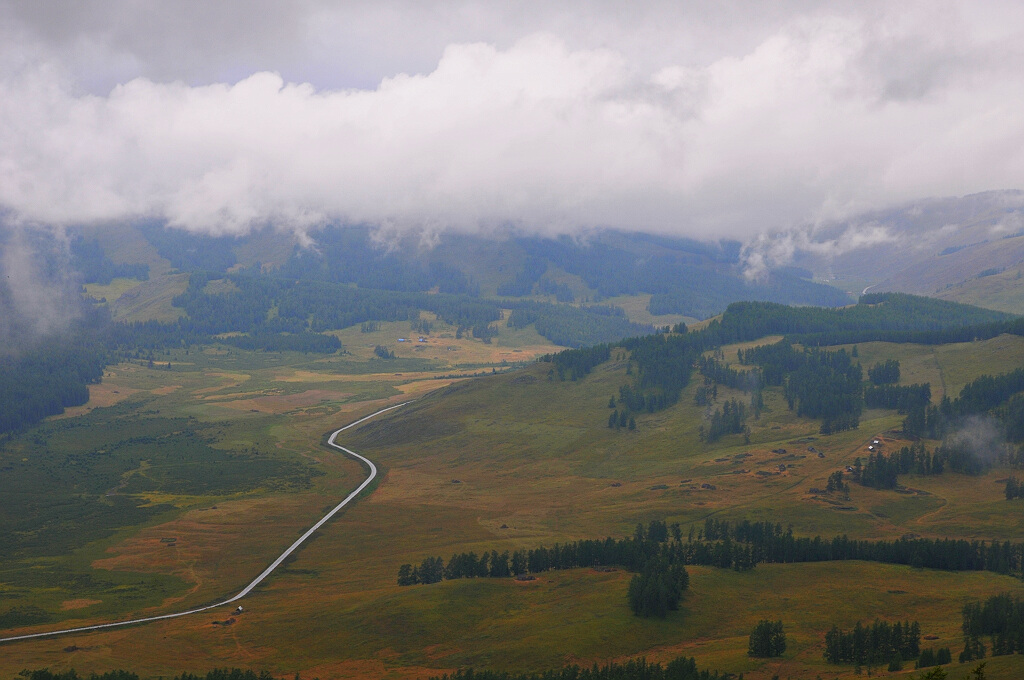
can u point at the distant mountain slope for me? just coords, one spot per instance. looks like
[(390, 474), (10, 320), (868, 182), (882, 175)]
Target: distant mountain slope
[(683, 276), (966, 249)]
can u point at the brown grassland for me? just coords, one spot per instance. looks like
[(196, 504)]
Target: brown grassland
[(506, 461)]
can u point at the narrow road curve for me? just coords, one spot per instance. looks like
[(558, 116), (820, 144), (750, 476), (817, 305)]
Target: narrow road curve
[(266, 572)]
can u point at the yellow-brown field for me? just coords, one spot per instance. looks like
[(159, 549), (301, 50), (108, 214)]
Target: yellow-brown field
[(503, 462)]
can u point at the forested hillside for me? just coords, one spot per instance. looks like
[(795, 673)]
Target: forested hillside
[(681, 276), (817, 383)]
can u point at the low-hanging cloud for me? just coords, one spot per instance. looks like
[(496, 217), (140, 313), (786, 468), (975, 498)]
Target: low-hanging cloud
[(825, 116), (38, 290), (764, 252)]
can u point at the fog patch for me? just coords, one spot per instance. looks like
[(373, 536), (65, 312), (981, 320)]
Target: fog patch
[(982, 436), (38, 289), (765, 252)]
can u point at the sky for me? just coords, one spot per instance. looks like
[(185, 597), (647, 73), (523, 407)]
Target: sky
[(703, 119)]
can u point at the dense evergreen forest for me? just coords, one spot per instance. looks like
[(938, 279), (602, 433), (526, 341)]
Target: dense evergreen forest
[(999, 395), (190, 252), (352, 256), (575, 326), (46, 379), (901, 398), (888, 317), (684, 276)]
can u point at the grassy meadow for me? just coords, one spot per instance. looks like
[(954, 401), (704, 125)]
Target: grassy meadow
[(200, 469)]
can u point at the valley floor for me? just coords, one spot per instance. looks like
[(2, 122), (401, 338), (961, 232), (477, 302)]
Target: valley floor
[(507, 461)]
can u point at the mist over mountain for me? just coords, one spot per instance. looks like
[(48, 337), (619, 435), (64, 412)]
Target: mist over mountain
[(709, 123), (968, 249)]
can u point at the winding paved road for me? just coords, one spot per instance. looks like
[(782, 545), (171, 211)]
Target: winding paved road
[(266, 572)]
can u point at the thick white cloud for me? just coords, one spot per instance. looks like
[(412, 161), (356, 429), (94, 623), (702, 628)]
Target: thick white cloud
[(802, 116)]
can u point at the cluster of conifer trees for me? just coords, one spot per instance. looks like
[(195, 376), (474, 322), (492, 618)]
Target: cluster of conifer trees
[(885, 373), (720, 373), (561, 291), (621, 419), (1001, 617), (725, 545), (769, 543), (190, 251), (934, 657), (658, 588), (664, 367), (681, 668), (730, 419), (421, 326), (215, 674), (352, 255), (577, 363), (768, 639), (874, 645), (835, 483), (881, 471), (648, 546)]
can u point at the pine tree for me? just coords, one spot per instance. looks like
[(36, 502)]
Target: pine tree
[(406, 577)]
